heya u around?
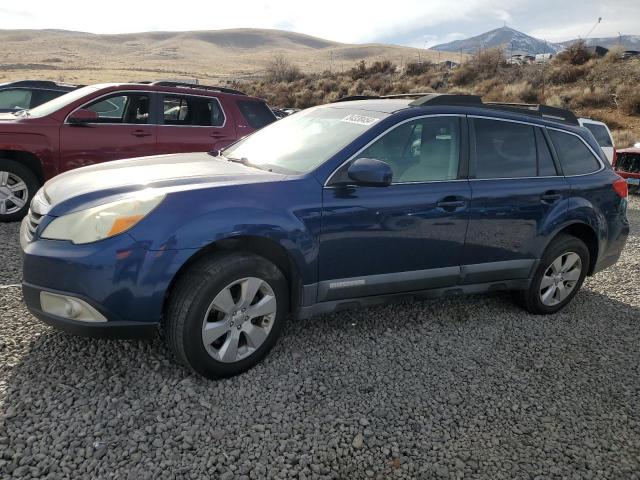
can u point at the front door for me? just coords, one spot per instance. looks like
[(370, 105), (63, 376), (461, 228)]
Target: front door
[(409, 235), (124, 130), (516, 194), (189, 123)]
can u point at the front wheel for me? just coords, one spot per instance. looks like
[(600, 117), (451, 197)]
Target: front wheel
[(225, 314), (559, 276)]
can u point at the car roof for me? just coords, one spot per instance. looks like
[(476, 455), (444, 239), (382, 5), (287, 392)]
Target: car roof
[(463, 104), (45, 84), (178, 88), (381, 106)]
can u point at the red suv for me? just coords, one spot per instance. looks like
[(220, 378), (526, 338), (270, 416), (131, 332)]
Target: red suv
[(106, 122)]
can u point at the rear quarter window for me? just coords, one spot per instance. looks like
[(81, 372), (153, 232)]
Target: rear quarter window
[(575, 157), (257, 114)]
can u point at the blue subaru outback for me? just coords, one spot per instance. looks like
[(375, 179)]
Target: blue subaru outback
[(347, 204)]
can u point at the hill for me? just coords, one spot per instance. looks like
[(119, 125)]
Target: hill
[(507, 38), (206, 55), (628, 42)]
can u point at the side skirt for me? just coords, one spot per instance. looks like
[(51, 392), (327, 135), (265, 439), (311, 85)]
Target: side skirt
[(458, 290)]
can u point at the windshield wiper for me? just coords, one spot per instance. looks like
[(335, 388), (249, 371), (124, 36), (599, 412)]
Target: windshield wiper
[(243, 161), (22, 113)]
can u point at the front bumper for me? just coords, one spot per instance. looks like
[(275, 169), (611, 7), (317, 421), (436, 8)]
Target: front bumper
[(108, 329), (119, 277)]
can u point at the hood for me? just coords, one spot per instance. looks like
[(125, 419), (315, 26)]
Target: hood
[(168, 172)]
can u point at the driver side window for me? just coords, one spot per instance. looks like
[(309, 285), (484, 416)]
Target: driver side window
[(420, 151), (130, 109)]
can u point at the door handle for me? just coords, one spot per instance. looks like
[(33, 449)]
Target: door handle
[(141, 133), (451, 203), (217, 135), (551, 196)]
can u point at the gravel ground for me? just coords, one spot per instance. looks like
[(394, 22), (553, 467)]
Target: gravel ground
[(464, 388)]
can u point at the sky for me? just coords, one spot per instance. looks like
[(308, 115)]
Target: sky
[(410, 22)]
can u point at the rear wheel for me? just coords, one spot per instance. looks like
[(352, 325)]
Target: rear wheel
[(559, 276), (18, 185), (226, 313)]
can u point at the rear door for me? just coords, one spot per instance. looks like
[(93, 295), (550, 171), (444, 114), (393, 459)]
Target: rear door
[(125, 129), (192, 123), (517, 191)]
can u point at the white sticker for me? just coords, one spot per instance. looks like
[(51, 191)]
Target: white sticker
[(360, 120)]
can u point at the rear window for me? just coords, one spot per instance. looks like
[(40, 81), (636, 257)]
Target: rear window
[(504, 149), (257, 114), (628, 162), (600, 133), (575, 156)]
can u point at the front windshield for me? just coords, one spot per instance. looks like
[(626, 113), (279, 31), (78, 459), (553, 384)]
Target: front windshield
[(61, 101), (301, 142)]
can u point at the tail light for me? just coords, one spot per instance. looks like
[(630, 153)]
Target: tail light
[(621, 187)]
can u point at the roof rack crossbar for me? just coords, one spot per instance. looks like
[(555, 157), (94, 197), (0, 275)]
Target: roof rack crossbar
[(166, 83)]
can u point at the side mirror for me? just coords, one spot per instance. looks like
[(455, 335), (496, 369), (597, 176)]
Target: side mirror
[(82, 116), (370, 172)]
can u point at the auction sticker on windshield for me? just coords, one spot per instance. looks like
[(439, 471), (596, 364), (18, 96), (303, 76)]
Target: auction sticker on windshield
[(360, 120)]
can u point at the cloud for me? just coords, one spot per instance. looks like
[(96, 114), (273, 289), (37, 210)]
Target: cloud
[(408, 22)]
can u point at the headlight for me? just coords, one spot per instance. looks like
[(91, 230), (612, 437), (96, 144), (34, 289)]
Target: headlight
[(103, 221)]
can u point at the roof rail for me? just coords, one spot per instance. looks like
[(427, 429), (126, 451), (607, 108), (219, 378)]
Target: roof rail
[(372, 97), (544, 111), (441, 99), (166, 83)]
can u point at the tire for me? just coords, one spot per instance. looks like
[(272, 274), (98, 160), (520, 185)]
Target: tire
[(18, 185), (205, 316), (558, 291)]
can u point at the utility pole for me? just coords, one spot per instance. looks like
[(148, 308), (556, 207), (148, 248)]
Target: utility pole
[(593, 28)]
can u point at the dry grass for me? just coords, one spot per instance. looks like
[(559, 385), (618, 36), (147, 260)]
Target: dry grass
[(207, 55)]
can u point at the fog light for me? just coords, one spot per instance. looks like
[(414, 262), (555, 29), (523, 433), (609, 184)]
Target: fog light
[(69, 307)]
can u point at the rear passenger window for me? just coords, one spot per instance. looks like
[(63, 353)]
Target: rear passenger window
[(546, 167), (575, 156), (504, 149), (257, 114), (192, 111)]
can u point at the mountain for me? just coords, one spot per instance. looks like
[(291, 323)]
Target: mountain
[(511, 40), (628, 42), (209, 56)]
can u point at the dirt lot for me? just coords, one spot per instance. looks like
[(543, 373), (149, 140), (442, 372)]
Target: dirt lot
[(463, 388)]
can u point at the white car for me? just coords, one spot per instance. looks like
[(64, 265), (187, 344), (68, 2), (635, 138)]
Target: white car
[(602, 134)]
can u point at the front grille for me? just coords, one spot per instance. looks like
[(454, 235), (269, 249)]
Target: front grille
[(39, 208), (33, 220)]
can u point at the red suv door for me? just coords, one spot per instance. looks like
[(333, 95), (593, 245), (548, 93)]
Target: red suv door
[(125, 129), (193, 123)]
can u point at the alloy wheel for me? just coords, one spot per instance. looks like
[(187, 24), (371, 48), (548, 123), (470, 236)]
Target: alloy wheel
[(13, 193), (560, 279), (239, 319)]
